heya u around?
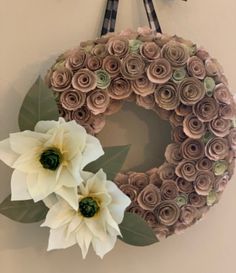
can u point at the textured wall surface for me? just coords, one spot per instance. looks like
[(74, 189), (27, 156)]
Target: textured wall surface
[(33, 33)]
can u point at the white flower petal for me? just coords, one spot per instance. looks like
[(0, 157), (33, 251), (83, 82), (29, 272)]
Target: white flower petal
[(6, 154), (19, 189), (107, 218), (96, 225), (70, 195), (58, 215), (97, 182), (93, 150), (58, 239), (84, 238), (74, 224), (44, 126), (41, 185), (66, 179), (50, 200), (119, 203)]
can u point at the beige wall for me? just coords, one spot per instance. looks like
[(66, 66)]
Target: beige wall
[(32, 34)]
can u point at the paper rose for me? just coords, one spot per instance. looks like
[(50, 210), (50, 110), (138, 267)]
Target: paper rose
[(49, 160), (101, 209)]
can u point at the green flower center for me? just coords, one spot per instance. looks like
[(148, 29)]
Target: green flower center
[(51, 159), (88, 207)]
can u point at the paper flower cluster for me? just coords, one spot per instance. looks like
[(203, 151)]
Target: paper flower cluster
[(184, 85)]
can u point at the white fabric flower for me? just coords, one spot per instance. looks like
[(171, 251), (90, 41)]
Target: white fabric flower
[(101, 209), (49, 160)]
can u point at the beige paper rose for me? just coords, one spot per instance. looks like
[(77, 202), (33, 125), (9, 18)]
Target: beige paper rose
[(119, 88), (220, 127), (167, 171), (130, 190), (204, 182), (60, 79), (167, 213), (166, 96), (197, 200), (204, 164), (183, 110), (221, 182), (118, 47), (139, 180), (94, 63), (72, 99), (187, 170), (169, 190), (98, 101), (159, 71), (206, 109), (121, 179), (175, 120), (84, 80), (149, 197), (150, 51), (178, 135), (184, 186), (188, 214), (161, 232), (132, 66), (192, 149), (66, 114), (217, 148), (76, 60), (227, 111), (191, 90), (147, 102), (196, 68), (112, 65), (193, 127), (100, 50), (222, 94), (173, 154), (114, 107), (150, 218), (142, 86)]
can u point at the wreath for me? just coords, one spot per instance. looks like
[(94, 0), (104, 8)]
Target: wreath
[(63, 175)]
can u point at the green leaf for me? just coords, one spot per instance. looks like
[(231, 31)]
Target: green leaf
[(136, 232), (23, 211), (39, 104), (111, 162)]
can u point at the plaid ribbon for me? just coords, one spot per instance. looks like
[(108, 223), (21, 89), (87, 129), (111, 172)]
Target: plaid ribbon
[(109, 21)]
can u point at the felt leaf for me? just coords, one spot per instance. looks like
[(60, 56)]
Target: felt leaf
[(135, 231), (23, 211), (111, 162), (39, 104)]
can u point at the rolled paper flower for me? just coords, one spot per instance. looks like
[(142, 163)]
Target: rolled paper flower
[(149, 197), (206, 109), (221, 78), (221, 183), (132, 66), (136, 209), (188, 214), (142, 86), (196, 68), (202, 54), (159, 71), (232, 138), (166, 96), (94, 63), (220, 167), (169, 190), (212, 67), (121, 179), (150, 218), (82, 115), (103, 79), (100, 50), (191, 90), (87, 45), (76, 60), (112, 65), (175, 119), (161, 231), (161, 112), (147, 102), (220, 127), (197, 200), (98, 101), (72, 99), (119, 88), (192, 48), (204, 182), (161, 39), (184, 185), (204, 164), (179, 74), (167, 171), (187, 170), (155, 179), (145, 31), (60, 80), (173, 154), (118, 47), (67, 115), (192, 149), (182, 199), (130, 190), (212, 198), (129, 34), (97, 123), (217, 148), (167, 213), (178, 134), (222, 94), (150, 51), (176, 53), (114, 107), (134, 45), (179, 228), (139, 180), (193, 127), (84, 80), (183, 110), (227, 111), (209, 85)]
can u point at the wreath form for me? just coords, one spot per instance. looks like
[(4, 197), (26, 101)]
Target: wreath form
[(184, 85)]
